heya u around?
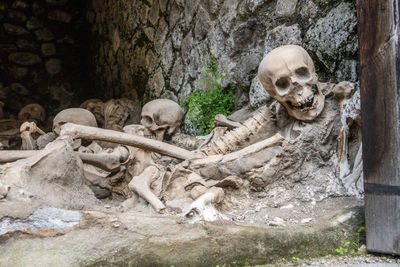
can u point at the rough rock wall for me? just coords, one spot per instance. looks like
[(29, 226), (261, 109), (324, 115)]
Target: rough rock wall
[(41, 48), (160, 47)]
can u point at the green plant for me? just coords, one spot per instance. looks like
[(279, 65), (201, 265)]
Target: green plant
[(203, 105), (351, 248)]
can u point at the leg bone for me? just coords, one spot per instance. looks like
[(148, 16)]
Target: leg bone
[(141, 185), (93, 133)]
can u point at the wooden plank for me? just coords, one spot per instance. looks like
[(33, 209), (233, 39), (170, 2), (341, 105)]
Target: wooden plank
[(379, 80)]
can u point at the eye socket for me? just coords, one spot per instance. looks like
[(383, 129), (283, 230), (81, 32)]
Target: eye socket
[(303, 73), (282, 83), (146, 121)]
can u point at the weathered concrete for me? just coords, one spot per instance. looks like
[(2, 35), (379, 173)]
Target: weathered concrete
[(138, 240)]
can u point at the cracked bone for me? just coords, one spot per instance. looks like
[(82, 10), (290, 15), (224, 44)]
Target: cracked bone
[(141, 185), (203, 207), (92, 133)]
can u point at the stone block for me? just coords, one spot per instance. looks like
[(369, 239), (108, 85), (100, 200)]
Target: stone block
[(59, 15), (53, 66), (15, 29), (48, 49), (24, 58), (44, 34), (285, 8)]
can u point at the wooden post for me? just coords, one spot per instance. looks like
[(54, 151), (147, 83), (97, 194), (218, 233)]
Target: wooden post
[(380, 103)]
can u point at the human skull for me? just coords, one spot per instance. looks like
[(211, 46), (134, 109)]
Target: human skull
[(75, 115), (32, 112), (162, 116), (288, 75)]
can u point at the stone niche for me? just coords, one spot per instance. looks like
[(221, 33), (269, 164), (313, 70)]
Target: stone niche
[(43, 54), (160, 48), (59, 53)]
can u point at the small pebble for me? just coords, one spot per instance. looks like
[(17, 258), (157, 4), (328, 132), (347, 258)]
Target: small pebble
[(306, 220), (290, 206)]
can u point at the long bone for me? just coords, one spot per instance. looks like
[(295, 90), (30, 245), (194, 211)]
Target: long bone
[(107, 161), (141, 185), (93, 133), (254, 148)]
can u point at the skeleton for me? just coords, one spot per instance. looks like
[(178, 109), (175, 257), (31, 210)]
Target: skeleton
[(288, 74)]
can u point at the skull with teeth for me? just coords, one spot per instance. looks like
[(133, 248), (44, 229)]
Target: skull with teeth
[(162, 116), (288, 75)]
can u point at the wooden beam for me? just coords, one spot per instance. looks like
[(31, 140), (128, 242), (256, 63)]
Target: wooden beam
[(380, 90)]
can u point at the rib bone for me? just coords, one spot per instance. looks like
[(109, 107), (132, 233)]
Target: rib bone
[(231, 140)]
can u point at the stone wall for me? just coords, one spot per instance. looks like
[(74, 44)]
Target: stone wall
[(160, 48), (42, 43)]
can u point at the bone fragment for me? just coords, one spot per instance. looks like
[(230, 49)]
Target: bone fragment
[(93, 133), (27, 129), (202, 208), (269, 142), (107, 161), (221, 120), (28, 143), (141, 185)]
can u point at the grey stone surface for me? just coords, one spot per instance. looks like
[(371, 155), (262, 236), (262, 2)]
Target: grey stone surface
[(282, 35), (134, 239), (285, 7), (257, 95), (236, 33), (334, 35), (43, 219)]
